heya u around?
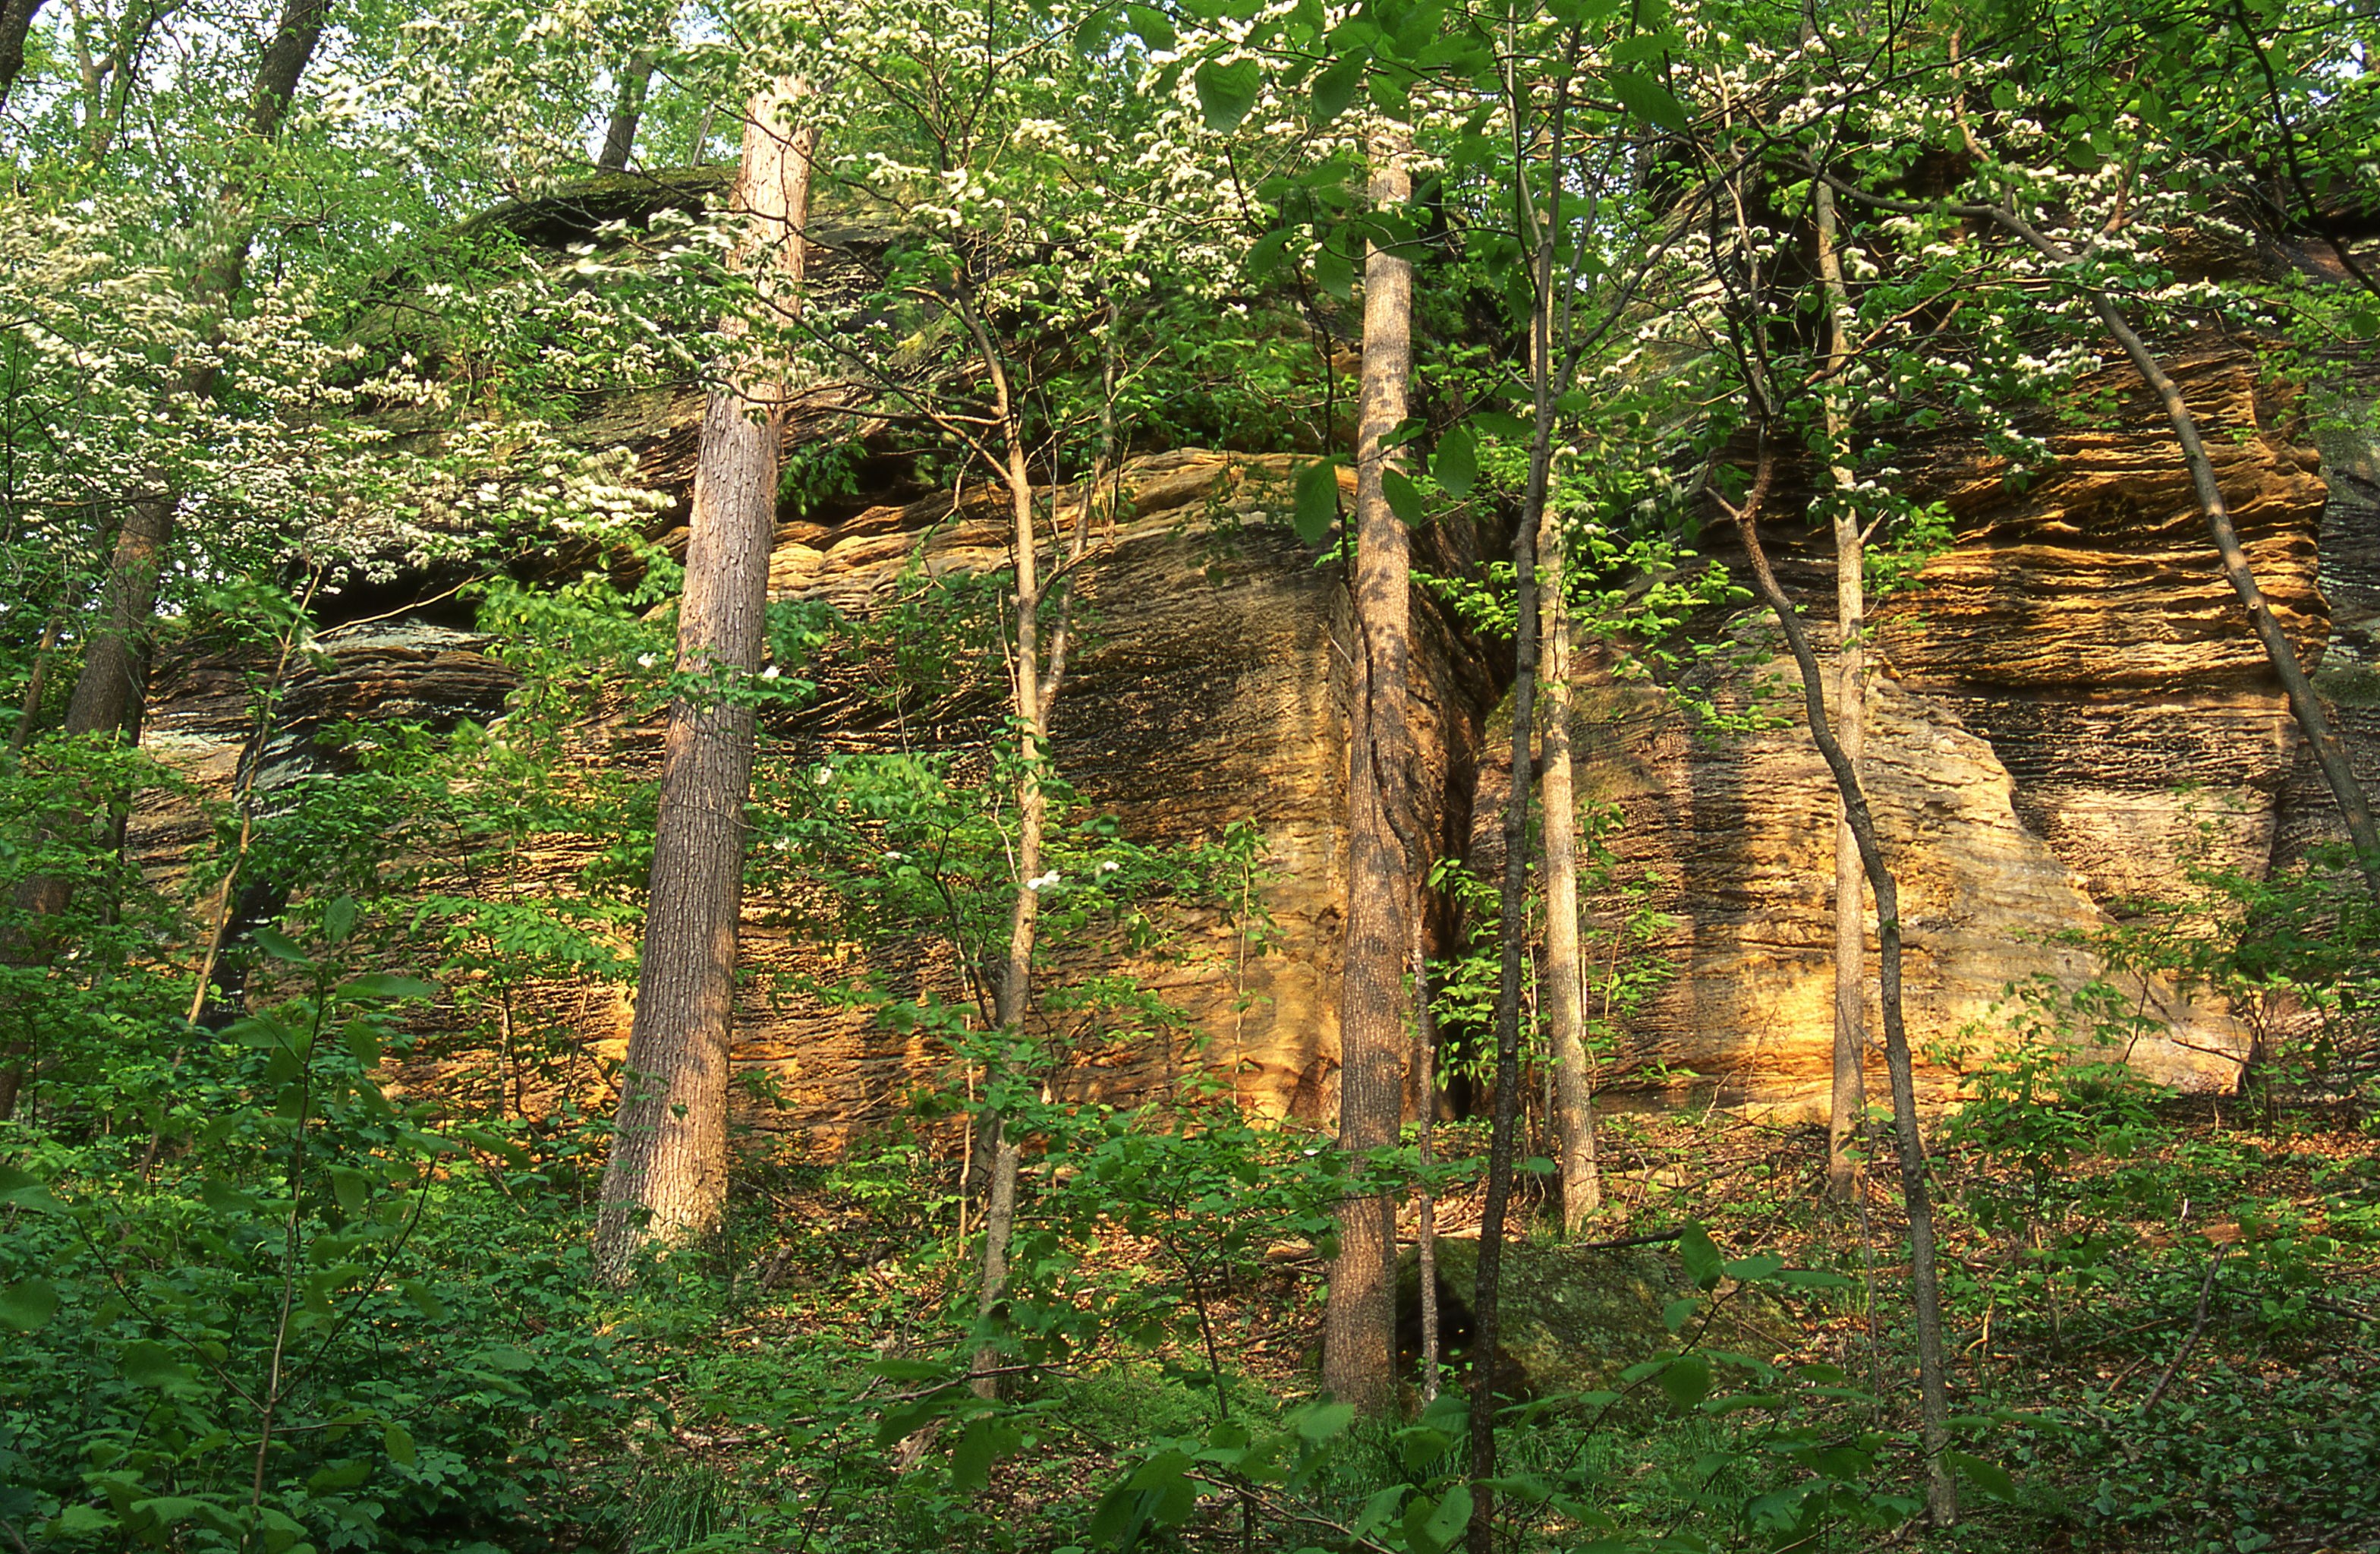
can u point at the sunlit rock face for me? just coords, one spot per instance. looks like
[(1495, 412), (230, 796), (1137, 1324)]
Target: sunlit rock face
[(2065, 702), (2070, 710)]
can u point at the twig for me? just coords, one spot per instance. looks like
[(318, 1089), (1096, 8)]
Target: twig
[(2190, 1341)]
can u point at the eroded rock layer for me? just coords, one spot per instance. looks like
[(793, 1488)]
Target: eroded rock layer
[(2067, 703)]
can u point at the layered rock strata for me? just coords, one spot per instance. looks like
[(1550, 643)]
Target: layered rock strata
[(2068, 703)]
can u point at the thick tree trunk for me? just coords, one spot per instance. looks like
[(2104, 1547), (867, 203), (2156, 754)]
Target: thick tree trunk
[(1924, 1284), (628, 110), (1848, 1101), (1359, 1320), (285, 58), (666, 1181), (1565, 988), (15, 26)]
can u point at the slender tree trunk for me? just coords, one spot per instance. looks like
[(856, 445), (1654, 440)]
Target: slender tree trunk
[(1359, 1321), (1035, 686), (1488, 1283), (285, 58), (37, 684), (627, 108), (1924, 1272), (1013, 992), (1847, 1104), (666, 1181), (1425, 1068), (1565, 987), (1541, 227)]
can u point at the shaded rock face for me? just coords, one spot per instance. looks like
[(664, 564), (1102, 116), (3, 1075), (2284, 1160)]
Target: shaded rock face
[(2066, 699)]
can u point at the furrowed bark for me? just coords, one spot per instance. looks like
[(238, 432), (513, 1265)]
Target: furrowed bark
[(15, 26), (666, 1181), (1359, 1320), (1934, 1408)]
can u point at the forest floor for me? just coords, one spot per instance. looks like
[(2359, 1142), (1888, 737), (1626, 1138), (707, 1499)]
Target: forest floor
[(2161, 1333)]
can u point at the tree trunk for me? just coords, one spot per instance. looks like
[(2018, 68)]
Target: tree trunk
[(1565, 989), (1425, 1068), (627, 108), (1014, 993), (1847, 1104), (15, 26), (666, 1181), (37, 684), (285, 58), (1359, 1320), (1924, 1285)]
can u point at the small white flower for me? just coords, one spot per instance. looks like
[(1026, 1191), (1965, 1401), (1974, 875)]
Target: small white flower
[(825, 775), (893, 857), (769, 673), (645, 661), (1109, 866), (1043, 881)]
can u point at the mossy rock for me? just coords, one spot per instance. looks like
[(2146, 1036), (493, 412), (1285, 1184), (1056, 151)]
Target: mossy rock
[(1576, 1317)]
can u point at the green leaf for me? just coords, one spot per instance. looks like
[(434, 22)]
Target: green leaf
[(1388, 95), (168, 1509), (1404, 497), (29, 1305), (83, 1519), (150, 1365), (1151, 26), (1226, 92), (1457, 463), (1334, 272), (1325, 1420), (1990, 1477), (1121, 1511), (280, 946), (1688, 1380), (351, 1188), (379, 986), (1318, 501), (1648, 100), (1700, 1253), (1453, 1514), (971, 1458), (339, 919), (19, 1190), (399, 1442), (1334, 88)]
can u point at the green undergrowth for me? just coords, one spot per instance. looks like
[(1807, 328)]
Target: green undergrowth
[(2160, 1325)]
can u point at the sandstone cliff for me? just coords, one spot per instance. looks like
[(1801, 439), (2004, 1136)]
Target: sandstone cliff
[(2066, 701)]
